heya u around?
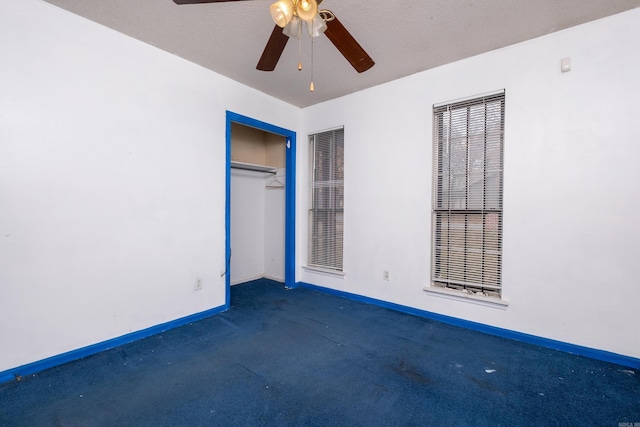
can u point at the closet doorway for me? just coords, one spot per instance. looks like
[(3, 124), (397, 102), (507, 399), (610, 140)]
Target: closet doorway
[(260, 198)]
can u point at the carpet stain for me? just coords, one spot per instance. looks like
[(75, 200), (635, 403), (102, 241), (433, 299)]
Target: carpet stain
[(249, 370), (411, 373), (327, 338), (317, 321), (486, 385), (278, 304)]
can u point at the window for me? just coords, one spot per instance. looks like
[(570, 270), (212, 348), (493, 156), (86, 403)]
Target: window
[(326, 192), (467, 194)]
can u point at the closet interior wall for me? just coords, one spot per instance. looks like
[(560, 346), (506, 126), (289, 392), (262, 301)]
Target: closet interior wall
[(257, 205)]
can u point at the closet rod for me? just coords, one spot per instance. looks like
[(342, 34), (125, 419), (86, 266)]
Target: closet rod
[(252, 167)]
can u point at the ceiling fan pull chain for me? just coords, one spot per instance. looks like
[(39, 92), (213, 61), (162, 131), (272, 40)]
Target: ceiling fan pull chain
[(300, 45), (311, 88)]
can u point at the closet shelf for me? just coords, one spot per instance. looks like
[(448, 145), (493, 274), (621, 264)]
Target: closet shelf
[(253, 167)]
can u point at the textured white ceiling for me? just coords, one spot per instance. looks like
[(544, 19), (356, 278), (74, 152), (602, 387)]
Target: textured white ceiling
[(402, 37)]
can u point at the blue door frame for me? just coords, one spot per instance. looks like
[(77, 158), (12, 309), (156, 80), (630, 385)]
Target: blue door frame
[(290, 198)]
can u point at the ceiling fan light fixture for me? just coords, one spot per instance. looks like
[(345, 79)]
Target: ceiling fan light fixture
[(282, 12), (316, 26), (293, 28), (307, 9)]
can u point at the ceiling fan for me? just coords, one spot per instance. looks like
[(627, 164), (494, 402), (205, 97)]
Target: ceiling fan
[(289, 16)]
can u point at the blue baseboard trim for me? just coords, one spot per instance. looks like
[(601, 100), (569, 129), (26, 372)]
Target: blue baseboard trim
[(592, 353), (53, 361)]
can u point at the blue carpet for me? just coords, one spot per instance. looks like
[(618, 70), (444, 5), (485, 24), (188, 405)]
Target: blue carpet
[(304, 358)]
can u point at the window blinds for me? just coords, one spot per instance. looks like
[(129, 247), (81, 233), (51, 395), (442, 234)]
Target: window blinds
[(467, 196), (326, 192)]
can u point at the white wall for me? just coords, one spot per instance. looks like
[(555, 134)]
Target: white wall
[(571, 201), (111, 182)]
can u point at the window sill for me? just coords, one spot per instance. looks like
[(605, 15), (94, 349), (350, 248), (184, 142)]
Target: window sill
[(467, 297), (324, 271)]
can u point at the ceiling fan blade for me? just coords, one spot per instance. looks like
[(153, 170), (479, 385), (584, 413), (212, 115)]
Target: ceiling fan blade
[(201, 1), (348, 46), (273, 50)]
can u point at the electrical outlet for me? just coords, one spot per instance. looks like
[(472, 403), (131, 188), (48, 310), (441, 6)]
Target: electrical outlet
[(197, 284), (385, 275)]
